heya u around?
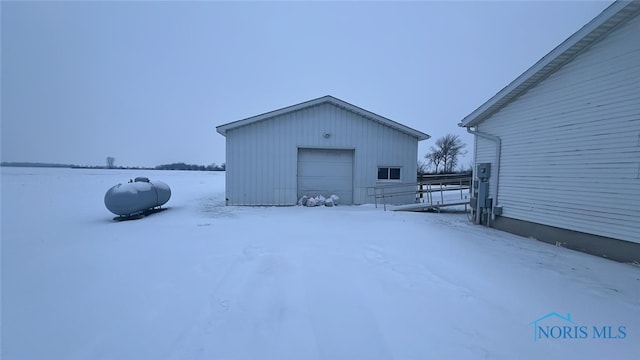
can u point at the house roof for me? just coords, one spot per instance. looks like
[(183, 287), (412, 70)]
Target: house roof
[(616, 14), (222, 129)]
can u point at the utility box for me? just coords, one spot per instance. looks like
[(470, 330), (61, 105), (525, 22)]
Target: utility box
[(483, 193), (481, 203), (483, 171)]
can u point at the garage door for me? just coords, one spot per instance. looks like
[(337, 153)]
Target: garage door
[(326, 172)]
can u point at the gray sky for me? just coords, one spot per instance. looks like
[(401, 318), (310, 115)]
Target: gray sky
[(147, 82)]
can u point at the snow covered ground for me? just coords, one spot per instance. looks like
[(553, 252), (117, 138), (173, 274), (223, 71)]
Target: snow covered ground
[(205, 281)]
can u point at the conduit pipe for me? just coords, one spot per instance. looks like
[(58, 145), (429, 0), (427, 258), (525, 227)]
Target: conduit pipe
[(496, 171)]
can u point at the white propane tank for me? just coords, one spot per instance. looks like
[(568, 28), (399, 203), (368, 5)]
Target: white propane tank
[(136, 197)]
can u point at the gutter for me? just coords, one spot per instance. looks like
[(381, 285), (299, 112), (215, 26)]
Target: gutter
[(494, 184)]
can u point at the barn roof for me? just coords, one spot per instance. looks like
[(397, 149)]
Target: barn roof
[(222, 129), (616, 14)]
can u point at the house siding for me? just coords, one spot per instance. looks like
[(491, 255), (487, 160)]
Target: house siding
[(262, 156), (485, 152), (571, 144)]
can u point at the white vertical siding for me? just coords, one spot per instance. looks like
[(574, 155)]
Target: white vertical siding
[(262, 156), (571, 145), (485, 152)]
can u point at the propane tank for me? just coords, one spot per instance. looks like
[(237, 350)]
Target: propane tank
[(136, 197)]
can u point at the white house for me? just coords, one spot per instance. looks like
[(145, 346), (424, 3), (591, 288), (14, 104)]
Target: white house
[(323, 146), (563, 141)]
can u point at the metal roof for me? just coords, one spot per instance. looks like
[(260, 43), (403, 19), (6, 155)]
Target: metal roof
[(222, 129), (616, 14)]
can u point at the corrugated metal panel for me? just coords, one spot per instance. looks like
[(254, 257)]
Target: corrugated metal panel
[(262, 156), (571, 145)]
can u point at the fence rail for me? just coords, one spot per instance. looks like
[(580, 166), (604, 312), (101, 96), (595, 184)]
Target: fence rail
[(432, 192)]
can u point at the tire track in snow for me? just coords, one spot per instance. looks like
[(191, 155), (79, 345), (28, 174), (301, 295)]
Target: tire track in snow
[(343, 326), (188, 345), (415, 275), (419, 277), (246, 313)]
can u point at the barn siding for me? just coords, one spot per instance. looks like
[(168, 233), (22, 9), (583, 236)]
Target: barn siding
[(262, 156), (571, 145)]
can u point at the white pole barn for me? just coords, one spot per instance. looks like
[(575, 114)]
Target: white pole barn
[(324, 146)]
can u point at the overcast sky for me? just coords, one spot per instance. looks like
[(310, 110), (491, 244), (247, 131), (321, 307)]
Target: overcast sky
[(148, 82)]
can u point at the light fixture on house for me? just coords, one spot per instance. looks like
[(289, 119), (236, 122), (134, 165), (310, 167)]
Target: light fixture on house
[(326, 135)]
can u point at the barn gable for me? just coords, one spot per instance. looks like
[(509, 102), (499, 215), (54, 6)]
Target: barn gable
[(328, 99)]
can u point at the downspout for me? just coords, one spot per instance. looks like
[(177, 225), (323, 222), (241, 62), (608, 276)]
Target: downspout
[(494, 184)]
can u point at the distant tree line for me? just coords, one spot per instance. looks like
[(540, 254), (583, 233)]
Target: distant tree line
[(34, 164), (113, 167), (183, 166), (110, 164)]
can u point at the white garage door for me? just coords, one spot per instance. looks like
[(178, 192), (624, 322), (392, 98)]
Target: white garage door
[(326, 172)]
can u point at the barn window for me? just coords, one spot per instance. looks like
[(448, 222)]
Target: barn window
[(388, 173)]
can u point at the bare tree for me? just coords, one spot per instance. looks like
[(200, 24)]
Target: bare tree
[(110, 161), (434, 158), (452, 147), (422, 167), (447, 151)]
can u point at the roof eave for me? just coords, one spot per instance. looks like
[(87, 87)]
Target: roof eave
[(612, 16), (222, 129)]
